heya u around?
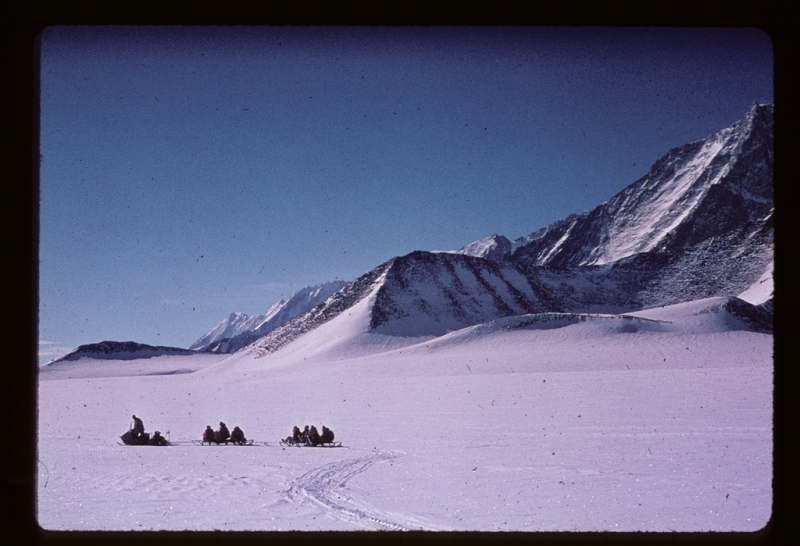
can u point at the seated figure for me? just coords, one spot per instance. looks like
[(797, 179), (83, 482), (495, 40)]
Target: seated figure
[(237, 436), (222, 434), (313, 436)]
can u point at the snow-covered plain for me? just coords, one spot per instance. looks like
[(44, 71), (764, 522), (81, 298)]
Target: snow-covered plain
[(660, 421)]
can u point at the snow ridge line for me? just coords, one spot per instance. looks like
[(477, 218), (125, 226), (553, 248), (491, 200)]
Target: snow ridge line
[(321, 486)]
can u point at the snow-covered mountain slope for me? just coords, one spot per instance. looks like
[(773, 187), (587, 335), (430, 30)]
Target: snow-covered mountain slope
[(426, 295), (120, 350), (722, 314), (423, 295), (761, 291), (693, 194), (493, 247), (347, 337), (710, 316), (236, 323), (336, 305), (239, 330)]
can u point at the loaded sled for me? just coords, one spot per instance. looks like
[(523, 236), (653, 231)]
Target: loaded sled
[(289, 441)]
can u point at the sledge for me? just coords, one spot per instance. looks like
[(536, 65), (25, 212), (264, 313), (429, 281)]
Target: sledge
[(289, 442), (228, 443), (144, 439)]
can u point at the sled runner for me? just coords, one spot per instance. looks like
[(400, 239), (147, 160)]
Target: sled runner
[(143, 440)]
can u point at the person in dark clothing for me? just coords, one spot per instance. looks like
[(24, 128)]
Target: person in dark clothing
[(304, 435), (313, 436), (138, 428), (208, 434), (158, 440), (327, 435), (296, 435), (237, 436), (222, 434)]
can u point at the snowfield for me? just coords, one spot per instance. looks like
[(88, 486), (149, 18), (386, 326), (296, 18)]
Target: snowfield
[(657, 421)]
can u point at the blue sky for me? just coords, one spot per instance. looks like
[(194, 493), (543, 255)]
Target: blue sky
[(188, 172)]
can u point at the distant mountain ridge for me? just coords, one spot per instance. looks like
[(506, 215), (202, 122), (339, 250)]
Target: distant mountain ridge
[(122, 350), (239, 330)]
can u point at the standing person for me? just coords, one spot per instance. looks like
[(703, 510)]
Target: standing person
[(138, 428), (222, 434)]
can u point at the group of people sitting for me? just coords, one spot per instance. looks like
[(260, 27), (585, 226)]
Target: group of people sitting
[(311, 436), (223, 435)]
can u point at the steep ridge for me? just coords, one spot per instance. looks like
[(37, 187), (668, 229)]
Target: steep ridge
[(695, 192)]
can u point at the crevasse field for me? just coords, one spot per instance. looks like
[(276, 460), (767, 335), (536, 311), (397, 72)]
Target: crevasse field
[(657, 421)]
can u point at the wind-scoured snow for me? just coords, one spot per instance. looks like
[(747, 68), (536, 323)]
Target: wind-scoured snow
[(545, 422)]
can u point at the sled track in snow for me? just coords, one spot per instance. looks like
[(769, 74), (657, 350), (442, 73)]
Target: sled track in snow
[(323, 487)]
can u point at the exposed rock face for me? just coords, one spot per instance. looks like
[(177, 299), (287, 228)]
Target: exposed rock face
[(121, 350)]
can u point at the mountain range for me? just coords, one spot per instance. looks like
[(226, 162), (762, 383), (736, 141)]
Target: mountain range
[(697, 225)]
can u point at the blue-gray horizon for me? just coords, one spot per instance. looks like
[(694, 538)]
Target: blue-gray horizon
[(189, 172)]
